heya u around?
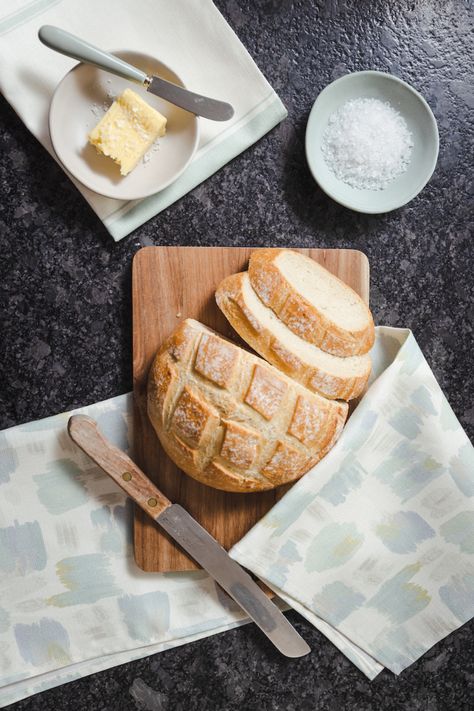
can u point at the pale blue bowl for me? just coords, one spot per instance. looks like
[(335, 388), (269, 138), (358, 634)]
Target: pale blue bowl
[(420, 121)]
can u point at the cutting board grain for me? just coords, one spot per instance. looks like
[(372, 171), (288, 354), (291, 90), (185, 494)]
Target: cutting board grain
[(168, 285)]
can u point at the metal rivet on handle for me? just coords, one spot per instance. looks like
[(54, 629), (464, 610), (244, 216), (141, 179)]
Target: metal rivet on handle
[(126, 476), (152, 502)]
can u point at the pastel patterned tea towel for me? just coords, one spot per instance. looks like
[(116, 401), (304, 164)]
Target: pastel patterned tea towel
[(72, 600), (376, 543)]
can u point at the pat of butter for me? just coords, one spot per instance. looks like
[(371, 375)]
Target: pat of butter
[(128, 130)]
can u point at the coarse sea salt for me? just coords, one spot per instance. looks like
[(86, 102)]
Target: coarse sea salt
[(367, 144)]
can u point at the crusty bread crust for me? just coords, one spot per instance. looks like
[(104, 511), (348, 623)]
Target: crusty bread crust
[(231, 420), (230, 297), (300, 315)]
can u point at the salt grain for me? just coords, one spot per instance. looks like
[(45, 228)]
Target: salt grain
[(367, 144), (95, 110), (149, 154)]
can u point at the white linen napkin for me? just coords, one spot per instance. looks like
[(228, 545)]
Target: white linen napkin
[(375, 546), (191, 37)]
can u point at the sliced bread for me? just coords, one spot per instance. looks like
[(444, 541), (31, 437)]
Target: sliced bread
[(329, 375), (312, 302)]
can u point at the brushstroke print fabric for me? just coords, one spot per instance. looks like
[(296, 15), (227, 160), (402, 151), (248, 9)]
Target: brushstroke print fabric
[(377, 541), (72, 601)]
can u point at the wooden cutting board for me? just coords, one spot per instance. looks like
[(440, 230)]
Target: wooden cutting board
[(168, 285)]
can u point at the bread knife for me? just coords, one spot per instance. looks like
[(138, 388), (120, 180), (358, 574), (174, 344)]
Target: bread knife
[(72, 46), (190, 535)]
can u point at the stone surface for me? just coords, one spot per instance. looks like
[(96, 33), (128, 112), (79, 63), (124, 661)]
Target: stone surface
[(65, 301)]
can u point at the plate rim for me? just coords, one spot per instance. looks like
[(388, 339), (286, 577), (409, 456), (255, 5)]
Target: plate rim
[(131, 196)]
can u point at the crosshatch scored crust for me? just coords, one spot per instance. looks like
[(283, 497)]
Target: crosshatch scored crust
[(231, 420)]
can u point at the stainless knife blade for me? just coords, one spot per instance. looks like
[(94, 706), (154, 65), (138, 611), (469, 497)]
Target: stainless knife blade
[(190, 535), (233, 579), (188, 100)]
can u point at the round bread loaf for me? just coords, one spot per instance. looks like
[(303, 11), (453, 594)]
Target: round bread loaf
[(231, 420)]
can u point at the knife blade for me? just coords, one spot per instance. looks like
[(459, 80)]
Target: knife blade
[(188, 100), (205, 550), (190, 535), (72, 46)]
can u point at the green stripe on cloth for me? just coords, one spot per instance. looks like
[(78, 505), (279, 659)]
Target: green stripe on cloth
[(199, 170), (19, 17)]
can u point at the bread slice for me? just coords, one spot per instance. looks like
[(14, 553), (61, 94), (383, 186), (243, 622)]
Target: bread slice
[(312, 302), (231, 420), (324, 373)]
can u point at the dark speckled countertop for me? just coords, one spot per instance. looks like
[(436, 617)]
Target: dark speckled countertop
[(65, 295)]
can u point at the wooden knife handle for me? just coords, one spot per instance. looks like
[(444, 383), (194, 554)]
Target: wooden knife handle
[(84, 432)]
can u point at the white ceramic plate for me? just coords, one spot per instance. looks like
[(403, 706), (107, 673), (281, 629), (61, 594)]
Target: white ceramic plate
[(420, 121), (82, 98)]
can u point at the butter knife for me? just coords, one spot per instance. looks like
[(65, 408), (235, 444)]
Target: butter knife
[(189, 534), (72, 46)]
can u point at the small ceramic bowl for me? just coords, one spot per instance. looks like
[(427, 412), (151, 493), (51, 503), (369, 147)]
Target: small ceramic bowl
[(79, 102), (420, 121)]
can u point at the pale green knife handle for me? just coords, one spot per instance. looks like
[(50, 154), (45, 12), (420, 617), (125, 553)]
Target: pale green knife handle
[(71, 46)]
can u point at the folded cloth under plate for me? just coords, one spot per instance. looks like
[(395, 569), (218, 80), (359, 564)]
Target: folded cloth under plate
[(191, 37), (374, 546)]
